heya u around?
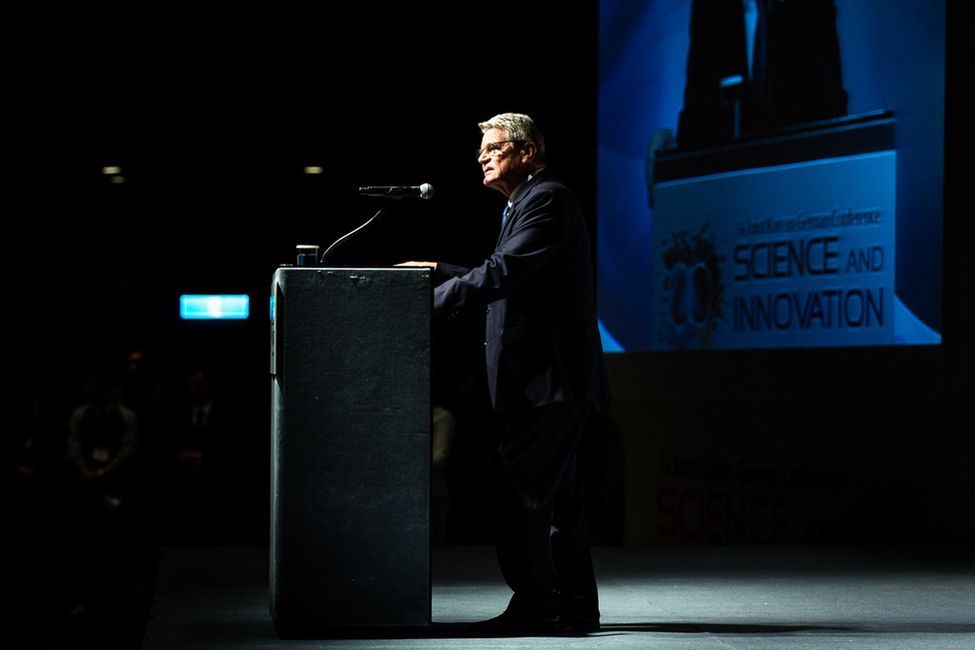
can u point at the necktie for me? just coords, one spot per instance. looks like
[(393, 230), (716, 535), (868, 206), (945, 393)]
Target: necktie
[(504, 217)]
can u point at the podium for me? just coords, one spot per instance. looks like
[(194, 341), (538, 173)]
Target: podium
[(350, 472)]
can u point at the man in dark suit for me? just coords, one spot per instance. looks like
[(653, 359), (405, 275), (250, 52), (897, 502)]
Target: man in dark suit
[(779, 60), (545, 369)]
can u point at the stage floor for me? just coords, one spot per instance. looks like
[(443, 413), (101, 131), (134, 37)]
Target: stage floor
[(725, 598)]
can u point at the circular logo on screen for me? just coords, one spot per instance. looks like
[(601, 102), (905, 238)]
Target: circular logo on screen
[(692, 289)]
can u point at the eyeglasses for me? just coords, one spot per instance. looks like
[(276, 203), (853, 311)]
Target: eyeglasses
[(494, 148)]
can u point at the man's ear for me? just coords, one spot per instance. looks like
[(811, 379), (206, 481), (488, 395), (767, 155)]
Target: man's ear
[(528, 152)]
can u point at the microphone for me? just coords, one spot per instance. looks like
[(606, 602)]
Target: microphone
[(424, 191)]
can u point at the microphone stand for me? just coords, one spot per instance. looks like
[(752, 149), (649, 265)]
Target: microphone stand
[(347, 237)]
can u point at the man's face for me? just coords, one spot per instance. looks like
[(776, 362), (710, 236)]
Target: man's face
[(505, 168)]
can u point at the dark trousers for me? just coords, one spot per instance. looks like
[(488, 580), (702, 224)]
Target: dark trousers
[(543, 539)]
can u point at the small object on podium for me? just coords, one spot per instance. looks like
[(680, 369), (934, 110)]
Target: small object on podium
[(307, 255)]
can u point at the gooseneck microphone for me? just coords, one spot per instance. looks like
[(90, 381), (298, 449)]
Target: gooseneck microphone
[(424, 191), (389, 192)]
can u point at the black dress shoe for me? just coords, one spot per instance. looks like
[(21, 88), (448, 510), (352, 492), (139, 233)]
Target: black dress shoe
[(514, 623), (579, 623)]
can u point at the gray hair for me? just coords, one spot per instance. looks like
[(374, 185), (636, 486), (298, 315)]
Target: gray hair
[(520, 128)]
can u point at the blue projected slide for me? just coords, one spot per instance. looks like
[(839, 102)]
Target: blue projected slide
[(778, 195)]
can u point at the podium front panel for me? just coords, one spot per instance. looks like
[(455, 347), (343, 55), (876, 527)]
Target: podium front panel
[(350, 476)]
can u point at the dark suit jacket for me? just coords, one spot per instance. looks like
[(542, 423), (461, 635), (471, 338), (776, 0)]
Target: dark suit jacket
[(804, 68), (542, 341)]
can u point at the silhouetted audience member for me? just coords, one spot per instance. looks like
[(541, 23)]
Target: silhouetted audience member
[(32, 500), (102, 440), (196, 472), (31, 441), (139, 390)]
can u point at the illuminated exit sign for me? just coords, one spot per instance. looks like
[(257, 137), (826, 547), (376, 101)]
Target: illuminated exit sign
[(214, 307)]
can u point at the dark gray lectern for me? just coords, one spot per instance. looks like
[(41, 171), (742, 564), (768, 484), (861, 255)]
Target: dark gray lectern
[(350, 474)]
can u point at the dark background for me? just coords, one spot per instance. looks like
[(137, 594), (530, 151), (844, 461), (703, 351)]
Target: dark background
[(212, 116)]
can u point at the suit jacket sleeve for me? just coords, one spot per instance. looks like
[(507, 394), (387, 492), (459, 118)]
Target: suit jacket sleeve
[(527, 244), (541, 335)]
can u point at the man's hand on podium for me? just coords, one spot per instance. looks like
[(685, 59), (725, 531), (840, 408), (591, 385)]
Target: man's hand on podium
[(428, 265)]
